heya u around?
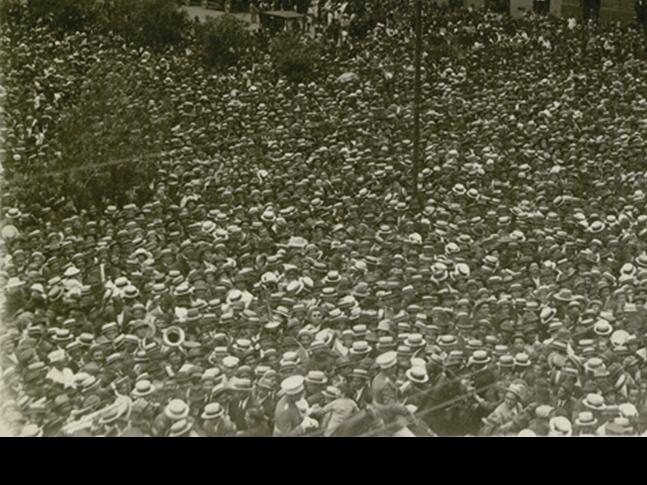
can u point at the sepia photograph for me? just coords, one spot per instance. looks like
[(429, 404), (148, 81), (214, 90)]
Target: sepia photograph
[(323, 218)]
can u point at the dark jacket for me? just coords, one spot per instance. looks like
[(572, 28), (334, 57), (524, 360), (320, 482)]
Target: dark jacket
[(259, 429), (238, 408), (641, 10)]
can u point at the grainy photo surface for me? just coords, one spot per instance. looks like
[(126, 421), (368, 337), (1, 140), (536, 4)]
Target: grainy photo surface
[(323, 218)]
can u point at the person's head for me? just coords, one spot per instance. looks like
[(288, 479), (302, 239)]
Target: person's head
[(293, 388), (511, 399), (97, 354), (519, 343), (633, 395), (563, 392)]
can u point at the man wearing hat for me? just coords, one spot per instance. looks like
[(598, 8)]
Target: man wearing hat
[(315, 383), (383, 387), (265, 396), (320, 357), (290, 417), (385, 392), (505, 418), (360, 389), (60, 373), (175, 410), (257, 424), (215, 422), (337, 409), (585, 424), (139, 420), (539, 424), (242, 400)]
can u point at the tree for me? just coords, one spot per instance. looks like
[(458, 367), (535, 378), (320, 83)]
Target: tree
[(294, 57), (223, 42), (107, 139), (156, 24)]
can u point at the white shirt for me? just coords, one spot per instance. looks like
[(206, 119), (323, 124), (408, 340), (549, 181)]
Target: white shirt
[(65, 377)]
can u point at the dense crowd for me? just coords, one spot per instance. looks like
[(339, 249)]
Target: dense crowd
[(281, 281)]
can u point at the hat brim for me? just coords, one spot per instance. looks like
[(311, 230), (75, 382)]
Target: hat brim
[(602, 334), (294, 392), (356, 352), (593, 408), (320, 383), (177, 417), (389, 365), (416, 380), (206, 416), (143, 394), (583, 424)]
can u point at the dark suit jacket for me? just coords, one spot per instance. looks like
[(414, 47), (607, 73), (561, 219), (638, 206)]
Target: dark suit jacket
[(237, 410), (363, 397), (569, 407), (260, 430), (641, 10)]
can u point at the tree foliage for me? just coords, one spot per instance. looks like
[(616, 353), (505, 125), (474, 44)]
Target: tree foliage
[(297, 58), (223, 42), (150, 23), (107, 138), (65, 15), (155, 24)]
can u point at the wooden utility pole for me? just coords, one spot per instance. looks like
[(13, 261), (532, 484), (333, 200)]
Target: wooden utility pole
[(416, 102)]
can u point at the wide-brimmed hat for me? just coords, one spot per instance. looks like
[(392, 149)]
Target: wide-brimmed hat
[(115, 413), (547, 314), (602, 328), (62, 336), (594, 402), (560, 426), (292, 385), (415, 341), (387, 359), (515, 390), (143, 388), (564, 295), (360, 347), (620, 426), (360, 374), (180, 428), (316, 377), (506, 361), (241, 384), (479, 357), (594, 363), (361, 290), (417, 375), (586, 418), (176, 409), (522, 360), (447, 340)]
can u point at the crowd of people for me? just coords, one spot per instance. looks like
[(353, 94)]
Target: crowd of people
[(282, 281)]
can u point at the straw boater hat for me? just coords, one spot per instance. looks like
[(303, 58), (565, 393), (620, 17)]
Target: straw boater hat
[(292, 385), (417, 375), (387, 360), (479, 357), (176, 410)]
